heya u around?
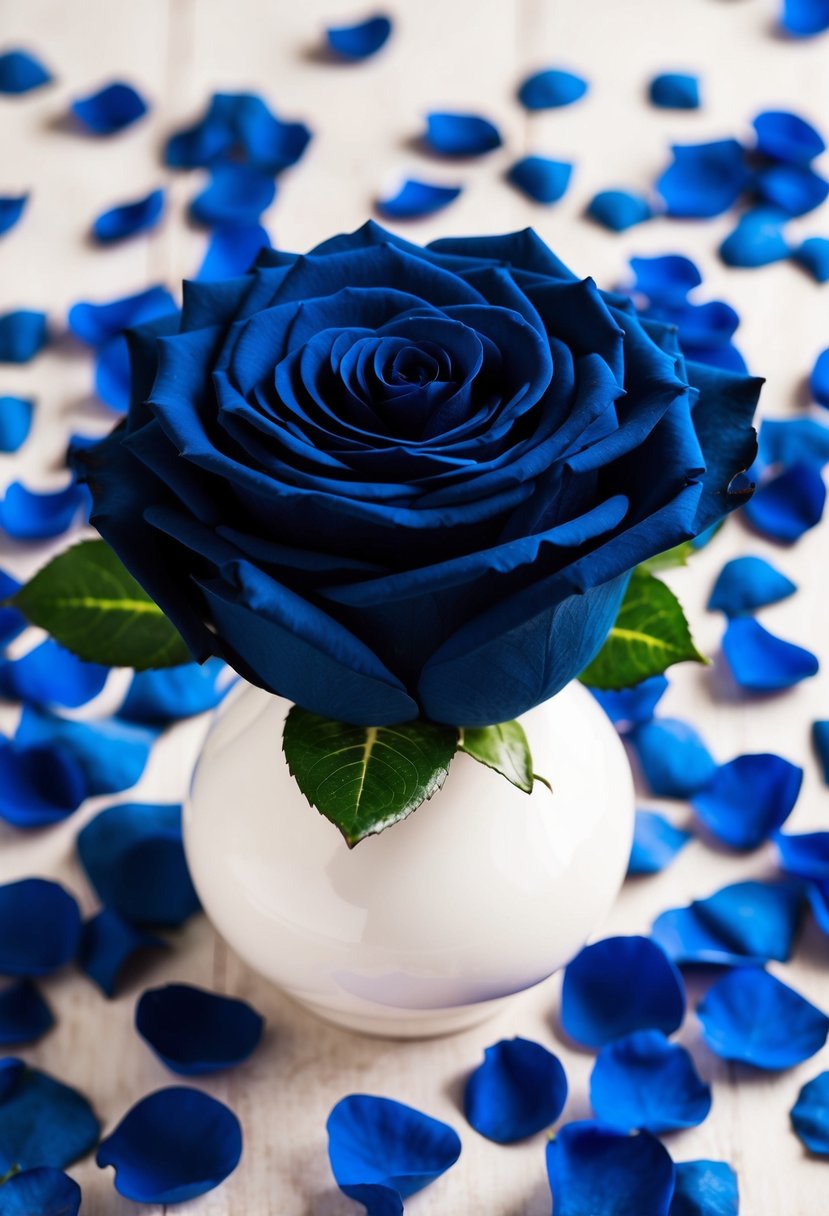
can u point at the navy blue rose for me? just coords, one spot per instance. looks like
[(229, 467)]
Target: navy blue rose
[(387, 481)]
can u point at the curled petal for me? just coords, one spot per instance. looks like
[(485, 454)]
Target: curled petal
[(748, 799), (787, 137), (705, 1188), (127, 219), (744, 923), (630, 706), (15, 422), (810, 1115), (813, 255), (656, 843), (551, 88), (20, 72), (674, 759), (819, 379), (751, 1017), (110, 109), (820, 738), (704, 179), (619, 210), (42, 1121), (40, 927), (645, 1082), (156, 698), (50, 675), (97, 324), (232, 251), (789, 504), (110, 754), (792, 191), (518, 1090), (788, 441), (107, 944), (597, 1169), (12, 622), (675, 91), (236, 194), (415, 199), (540, 178), (461, 134), (39, 785), (761, 662), (11, 209), (804, 18), (24, 1015), (22, 334), (746, 584), (356, 42), (805, 855), (30, 515), (758, 239), (667, 279), (195, 1032), (43, 1191)]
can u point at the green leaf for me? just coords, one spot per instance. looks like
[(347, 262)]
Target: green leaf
[(649, 635), (365, 778), (93, 606), (670, 559), (503, 747)]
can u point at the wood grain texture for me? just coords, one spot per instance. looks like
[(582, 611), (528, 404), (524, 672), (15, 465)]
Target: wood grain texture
[(468, 54)]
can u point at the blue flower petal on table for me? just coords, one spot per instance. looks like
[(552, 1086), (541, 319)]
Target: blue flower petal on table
[(112, 755), (15, 422), (519, 1090), (42, 1121), (813, 256), (747, 583), (705, 1188), (540, 178), (804, 18), (39, 785), (820, 738), (656, 843), (819, 378), (750, 1017), (238, 126), (666, 279), (133, 855), (112, 374), (711, 324), (817, 894), (96, 324), (644, 1082), (415, 199), (787, 137), (24, 1015), (109, 109), (12, 622), (107, 944), (788, 441), (34, 515), (43, 1191), (726, 357), (758, 239), (11, 209), (619, 985), (128, 219), (788, 504), (703, 180), (23, 334), (236, 194), (155, 698), (629, 706), (675, 91), (619, 210), (382, 1151), (673, 757), (40, 927), (794, 191), (597, 1169), (761, 662), (210, 139), (805, 855), (453, 134), (51, 675), (551, 88), (20, 72), (748, 799), (745, 923), (195, 1032), (810, 1115), (171, 1146), (231, 251), (359, 41)]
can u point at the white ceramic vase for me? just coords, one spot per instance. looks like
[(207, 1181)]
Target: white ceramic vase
[(429, 927)]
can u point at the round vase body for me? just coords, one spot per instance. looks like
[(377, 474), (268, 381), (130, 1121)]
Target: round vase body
[(429, 926)]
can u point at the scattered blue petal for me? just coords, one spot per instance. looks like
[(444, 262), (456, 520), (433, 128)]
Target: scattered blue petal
[(804, 18), (12, 622), (813, 255), (540, 178), (236, 194), (709, 325), (107, 944), (751, 1017), (596, 1169), (43, 1191), (98, 324), (810, 1115), (11, 209), (39, 785), (15, 422), (133, 854), (788, 504), (667, 279), (675, 91), (761, 662), (805, 855), (743, 924), (703, 180), (112, 374), (818, 896), (382, 1151), (155, 698), (788, 441), (231, 251), (415, 199), (551, 88), (127, 219), (643, 1082), (112, 755), (630, 706), (195, 1032), (656, 843), (819, 378), (42, 1121), (24, 1015), (705, 1188), (31, 515), (355, 42), (50, 675), (21, 72), (619, 210), (746, 584), (758, 239), (40, 927), (748, 799), (619, 985), (23, 334), (453, 134), (518, 1090), (238, 127), (171, 1146), (673, 757), (110, 109), (787, 137), (794, 191), (820, 738)]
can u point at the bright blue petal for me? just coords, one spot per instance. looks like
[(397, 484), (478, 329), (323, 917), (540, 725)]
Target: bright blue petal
[(359, 41), (127, 219), (805, 855), (631, 706), (40, 927), (619, 985), (194, 1031), (674, 759), (746, 584), (111, 754), (453, 134), (112, 374), (133, 854), (43, 1191), (51, 675), (39, 785), (30, 515), (231, 251), (518, 1090), (758, 239), (656, 843), (21, 72), (788, 441), (704, 179), (97, 324), (810, 1115), (819, 379), (551, 88), (789, 504), (818, 896), (791, 191), (24, 1015), (42, 1121), (15, 422), (761, 662), (705, 1188), (619, 210), (109, 109), (22, 334), (675, 91), (666, 279), (540, 178), (751, 1017), (11, 209), (748, 799), (644, 1082), (236, 194), (597, 1170), (787, 137), (171, 1146), (820, 738), (107, 944), (804, 18), (12, 622), (813, 255), (382, 1151), (744, 923), (158, 697), (416, 198)]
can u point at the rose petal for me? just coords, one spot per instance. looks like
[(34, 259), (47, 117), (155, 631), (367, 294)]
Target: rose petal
[(791, 441), (803, 18), (31, 515), (748, 799), (359, 41), (674, 759), (819, 379), (39, 785), (42, 1121), (416, 198), (231, 251), (540, 178), (746, 584), (703, 180), (109, 109), (156, 698), (746, 923), (11, 209), (705, 1188), (656, 843), (452, 134), (666, 279), (551, 88), (111, 754), (751, 1017), (596, 1169), (619, 210), (630, 706), (758, 239), (43, 1191), (21, 72), (813, 255), (820, 737), (761, 662), (97, 324), (40, 927), (518, 1090), (22, 334), (127, 219), (12, 622), (15, 422), (50, 675), (792, 191), (24, 1015), (805, 855), (643, 1082), (787, 137), (236, 194), (789, 504), (195, 1032), (107, 944), (675, 91), (810, 1115)]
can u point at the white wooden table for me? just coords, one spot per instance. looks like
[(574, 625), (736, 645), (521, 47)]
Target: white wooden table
[(452, 53)]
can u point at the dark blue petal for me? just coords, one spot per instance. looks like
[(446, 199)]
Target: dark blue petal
[(746, 584), (810, 1115), (619, 210), (194, 1031), (107, 944), (818, 896), (24, 1015), (789, 504), (518, 1090), (12, 622), (382, 1151), (158, 697), (813, 255), (656, 843), (22, 334), (127, 219), (11, 209), (820, 738), (359, 41), (40, 927), (50, 675), (744, 923), (675, 91), (42, 1121), (112, 374), (803, 18), (110, 109), (805, 855), (819, 379), (416, 198), (748, 799), (98, 324), (674, 759), (705, 1188), (630, 706), (619, 985), (789, 441), (787, 137), (645, 1082), (551, 88), (30, 515), (134, 857), (758, 239), (236, 194), (231, 251), (751, 1017), (704, 179), (666, 279), (597, 1170), (15, 422), (540, 178), (761, 662), (21, 72), (171, 1146), (39, 785), (111, 755), (454, 134), (43, 1191)]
